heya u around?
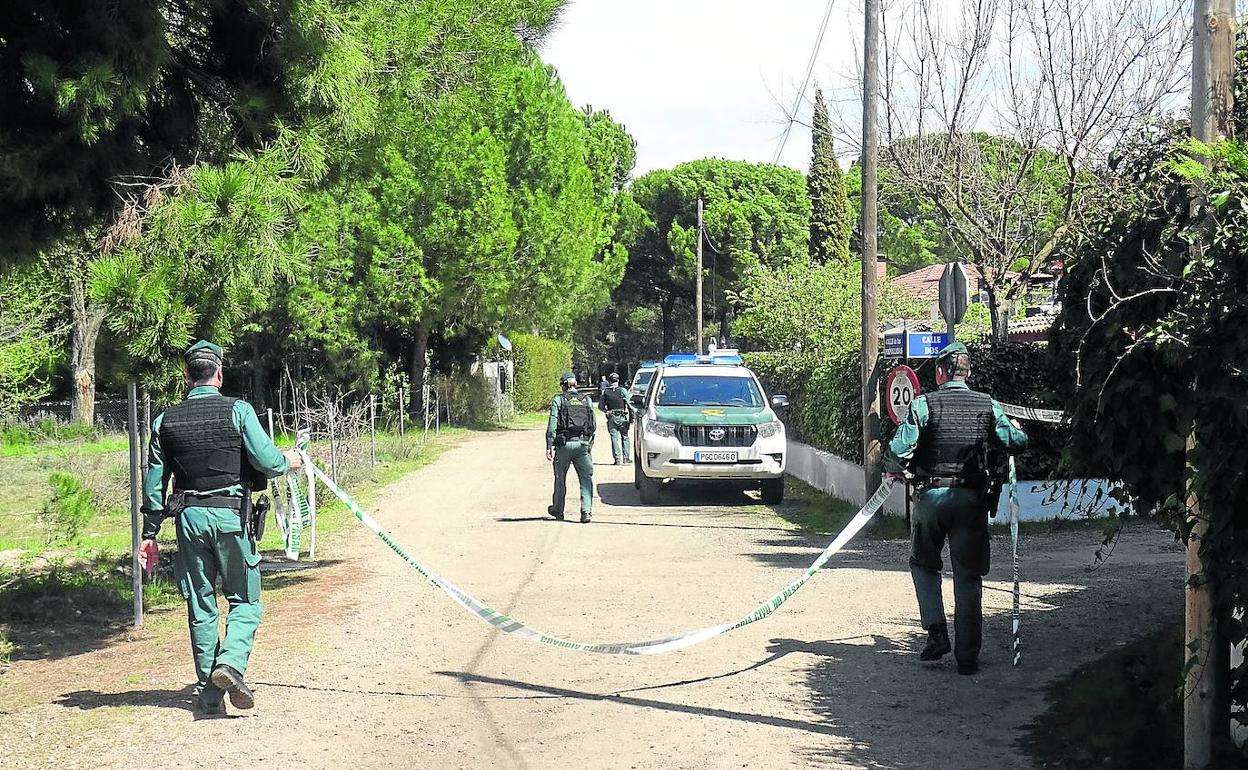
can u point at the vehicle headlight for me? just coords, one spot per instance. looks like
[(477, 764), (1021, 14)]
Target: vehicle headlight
[(769, 429), (660, 429)]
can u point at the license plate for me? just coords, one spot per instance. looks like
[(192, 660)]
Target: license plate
[(714, 457)]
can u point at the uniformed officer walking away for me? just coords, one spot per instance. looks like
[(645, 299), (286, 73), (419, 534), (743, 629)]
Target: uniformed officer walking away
[(944, 444), (614, 403), (569, 441), (216, 453)]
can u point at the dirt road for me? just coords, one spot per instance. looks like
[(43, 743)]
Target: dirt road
[(370, 667)]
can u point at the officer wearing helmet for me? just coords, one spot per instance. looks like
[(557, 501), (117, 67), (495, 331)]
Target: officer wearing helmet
[(569, 441), (943, 444)]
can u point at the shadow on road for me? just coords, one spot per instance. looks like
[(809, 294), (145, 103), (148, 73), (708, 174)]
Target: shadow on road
[(689, 494), (89, 700)]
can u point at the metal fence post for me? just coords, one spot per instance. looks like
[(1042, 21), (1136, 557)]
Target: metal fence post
[(136, 569), (372, 424)]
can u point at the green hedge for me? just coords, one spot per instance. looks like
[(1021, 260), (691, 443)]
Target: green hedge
[(539, 363), (825, 411)]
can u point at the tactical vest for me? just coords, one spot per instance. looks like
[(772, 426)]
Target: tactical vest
[(202, 447), (615, 399), (951, 445), (576, 417)]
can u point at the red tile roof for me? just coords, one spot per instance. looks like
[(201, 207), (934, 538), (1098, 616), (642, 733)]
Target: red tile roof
[(923, 283)]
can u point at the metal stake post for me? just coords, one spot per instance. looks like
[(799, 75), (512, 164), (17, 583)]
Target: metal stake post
[(372, 425), (136, 569)]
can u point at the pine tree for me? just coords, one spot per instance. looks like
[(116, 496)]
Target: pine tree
[(829, 217)]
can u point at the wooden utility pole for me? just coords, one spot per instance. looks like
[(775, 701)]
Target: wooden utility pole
[(1206, 702), (871, 459), (697, 291)]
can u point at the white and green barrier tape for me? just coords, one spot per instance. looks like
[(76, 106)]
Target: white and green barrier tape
[(679, 641), (1032, 413), (1015, 615)]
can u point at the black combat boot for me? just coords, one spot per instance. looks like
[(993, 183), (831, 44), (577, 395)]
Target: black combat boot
[(937, 643), (550, 510), (586, 517), (228, 679), (210, 701), (967, 668)]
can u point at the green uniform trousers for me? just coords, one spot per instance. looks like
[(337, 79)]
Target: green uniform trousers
[(212, 546), (617, 427), (575, 453), (959, 515)]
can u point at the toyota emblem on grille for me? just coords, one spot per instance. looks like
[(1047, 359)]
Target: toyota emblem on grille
[(717, 434)]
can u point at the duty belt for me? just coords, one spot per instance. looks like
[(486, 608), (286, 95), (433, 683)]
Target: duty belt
[(954, 482), (214, 501)]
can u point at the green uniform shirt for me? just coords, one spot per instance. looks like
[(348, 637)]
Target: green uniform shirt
[(261, 452), (552, 425), (906, 440)]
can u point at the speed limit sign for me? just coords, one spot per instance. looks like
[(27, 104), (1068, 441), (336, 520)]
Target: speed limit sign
[(901, 389)]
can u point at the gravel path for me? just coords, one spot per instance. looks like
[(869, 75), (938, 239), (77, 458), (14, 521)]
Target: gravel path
[(367, 666)]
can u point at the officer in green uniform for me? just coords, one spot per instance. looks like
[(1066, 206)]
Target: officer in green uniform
[(943, 444), (569, 441), (212, 447), (614, 403)]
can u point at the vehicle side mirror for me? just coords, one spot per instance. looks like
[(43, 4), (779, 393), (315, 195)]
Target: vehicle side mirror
[(779, 402), (637, 399)]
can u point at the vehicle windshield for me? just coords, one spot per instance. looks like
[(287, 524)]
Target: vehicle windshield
[(709, 391), (642, 380)]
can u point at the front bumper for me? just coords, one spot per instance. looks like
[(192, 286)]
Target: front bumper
[(666, 458)]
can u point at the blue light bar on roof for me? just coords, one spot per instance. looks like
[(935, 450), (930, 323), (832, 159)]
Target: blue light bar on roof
[(649, 365), (676, 359), (730, 359)]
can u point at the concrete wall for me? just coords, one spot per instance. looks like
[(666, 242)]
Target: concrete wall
[(1038, 500)]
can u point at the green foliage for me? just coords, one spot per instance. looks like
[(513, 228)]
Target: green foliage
[(755, 215), (70, 509), (468, 399), (6, 648), (29, 336), (539, 364), (830, 225), (1156, 333)]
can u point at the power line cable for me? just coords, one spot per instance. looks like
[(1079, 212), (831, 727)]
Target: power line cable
[(810, 68)]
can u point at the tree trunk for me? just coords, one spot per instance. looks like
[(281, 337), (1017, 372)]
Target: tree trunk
[(86, 322), (416, 404), (999, 312), (669, 322)]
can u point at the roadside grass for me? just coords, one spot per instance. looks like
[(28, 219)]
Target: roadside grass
[(819, 513), (82, 584)]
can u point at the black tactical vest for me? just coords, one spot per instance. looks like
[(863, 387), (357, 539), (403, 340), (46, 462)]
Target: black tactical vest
[(201, 445), (576, 417), (615, 398), (959, 425)]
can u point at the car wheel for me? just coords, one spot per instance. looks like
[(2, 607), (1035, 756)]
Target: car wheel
[(648, 487), (773, 491)]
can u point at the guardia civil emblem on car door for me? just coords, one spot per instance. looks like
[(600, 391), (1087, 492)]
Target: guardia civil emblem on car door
[(717, 434)]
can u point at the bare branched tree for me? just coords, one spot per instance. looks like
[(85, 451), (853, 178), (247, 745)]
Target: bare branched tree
[(1002, 117)]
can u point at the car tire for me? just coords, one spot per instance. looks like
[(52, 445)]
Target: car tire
[(773, 491), (648, 487)]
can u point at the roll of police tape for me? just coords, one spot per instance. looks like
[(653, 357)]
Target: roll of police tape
[(670, 643), (1031, 413)]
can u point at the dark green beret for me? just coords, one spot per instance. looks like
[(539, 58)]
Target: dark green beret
[(203, 350), (951, 349)]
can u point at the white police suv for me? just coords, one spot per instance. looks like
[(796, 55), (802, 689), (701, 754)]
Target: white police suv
[(706, 418)]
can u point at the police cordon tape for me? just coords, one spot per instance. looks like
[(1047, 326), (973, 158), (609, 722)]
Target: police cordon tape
[(509, 625), (1031, 413)]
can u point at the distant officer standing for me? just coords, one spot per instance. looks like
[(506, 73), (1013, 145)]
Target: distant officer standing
[(569, 441), (943, 444), (614, 403), (215, 452)]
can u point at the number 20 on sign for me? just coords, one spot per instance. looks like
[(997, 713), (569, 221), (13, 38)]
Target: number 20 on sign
[(902, 386)]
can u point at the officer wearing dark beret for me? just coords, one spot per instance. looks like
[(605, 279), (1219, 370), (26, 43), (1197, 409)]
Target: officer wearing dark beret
[(214, 451), (942, 443)]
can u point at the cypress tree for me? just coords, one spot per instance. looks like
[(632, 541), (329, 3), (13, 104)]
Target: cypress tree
[(829, 210)]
